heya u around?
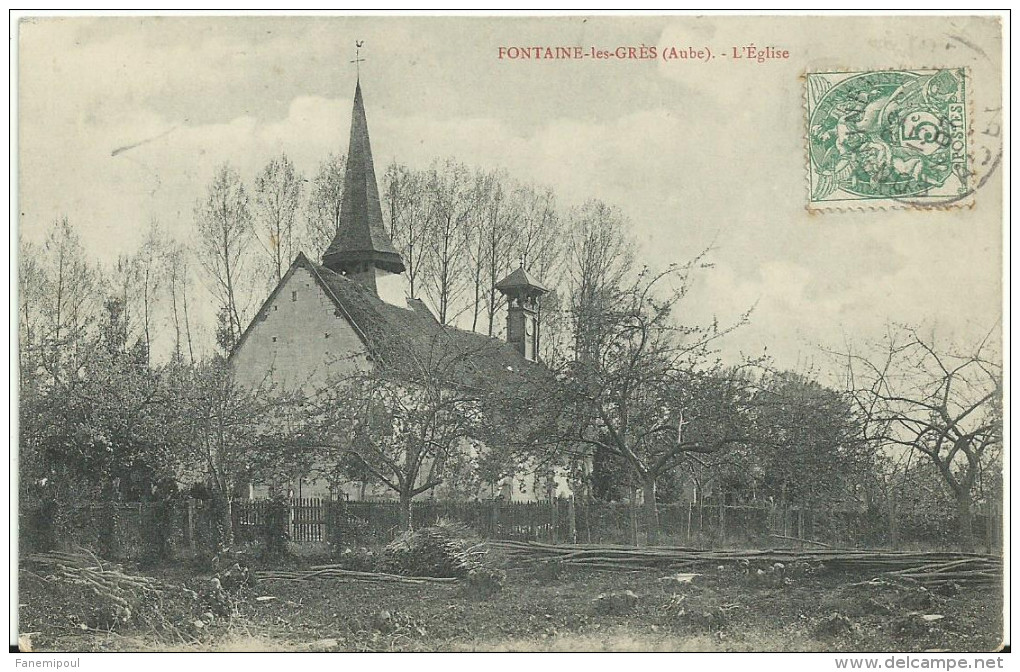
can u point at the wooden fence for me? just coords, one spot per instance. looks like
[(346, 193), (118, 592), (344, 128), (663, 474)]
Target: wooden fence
[(170, 529), (348, 523)]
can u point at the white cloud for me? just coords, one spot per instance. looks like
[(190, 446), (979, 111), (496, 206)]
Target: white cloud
[(696, 161)]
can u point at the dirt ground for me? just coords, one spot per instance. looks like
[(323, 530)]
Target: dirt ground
[(551, 608)]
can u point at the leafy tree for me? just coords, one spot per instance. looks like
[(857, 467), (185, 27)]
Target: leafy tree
[(648, 391), (409, 420), (230, 435), (808, 444), (105, 428)]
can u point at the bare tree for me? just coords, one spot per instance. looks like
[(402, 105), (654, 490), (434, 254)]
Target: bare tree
[(492, 231), (599, 260), (540, 241), (149, 269), (324, 203), (224, 237), (939, 399), (408, 207), (69, 300), (452, 202), (277, 195), (179, 280), (31, 301)]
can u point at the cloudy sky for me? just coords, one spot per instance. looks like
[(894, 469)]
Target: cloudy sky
[(691, 152)]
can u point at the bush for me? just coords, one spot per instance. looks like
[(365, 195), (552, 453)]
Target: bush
[(345, 528), (485, 582), (360, 560)]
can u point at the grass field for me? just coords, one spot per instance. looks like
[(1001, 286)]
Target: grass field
[(552, 608)]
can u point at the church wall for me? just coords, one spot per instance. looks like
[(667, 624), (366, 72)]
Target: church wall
[(300, 338)]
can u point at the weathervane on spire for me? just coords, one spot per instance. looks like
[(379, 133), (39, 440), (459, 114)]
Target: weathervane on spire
[(358, 60)]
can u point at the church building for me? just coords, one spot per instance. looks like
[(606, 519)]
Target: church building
[(328, 318)]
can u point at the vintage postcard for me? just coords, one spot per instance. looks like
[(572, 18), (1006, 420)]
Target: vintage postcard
[(510, 333)]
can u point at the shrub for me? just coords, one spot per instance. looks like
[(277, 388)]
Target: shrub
[(484, 582)]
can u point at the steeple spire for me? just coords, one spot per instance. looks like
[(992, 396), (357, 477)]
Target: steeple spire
[(361, 247)]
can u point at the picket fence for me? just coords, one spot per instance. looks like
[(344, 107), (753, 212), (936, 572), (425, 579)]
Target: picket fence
[(564, 521), (174, 529)]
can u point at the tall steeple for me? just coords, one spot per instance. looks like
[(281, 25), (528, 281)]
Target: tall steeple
[(361, 250)]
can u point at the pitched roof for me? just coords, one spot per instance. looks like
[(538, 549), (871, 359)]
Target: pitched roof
[(408, 338), (520, 279), (361, 236)]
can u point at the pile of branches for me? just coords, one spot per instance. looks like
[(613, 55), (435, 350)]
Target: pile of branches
[(100, 595), (981, 570), (445, 550), (337, 572), (919, 566)]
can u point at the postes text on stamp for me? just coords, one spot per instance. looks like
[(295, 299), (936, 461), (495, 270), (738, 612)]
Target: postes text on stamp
[(887, 138)]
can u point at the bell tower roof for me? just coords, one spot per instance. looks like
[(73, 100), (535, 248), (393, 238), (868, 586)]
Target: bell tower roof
[(520, 282), (361, 238)]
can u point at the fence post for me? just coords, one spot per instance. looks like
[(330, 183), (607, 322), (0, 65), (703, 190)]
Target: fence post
[(894, 532), (495, 518), (990, 519), (189, 525), (555, 519), (690, 511), (633, 517), (572, 513), (722, 521), (800, 525), (701, 520), (108, 547), (292, 525)]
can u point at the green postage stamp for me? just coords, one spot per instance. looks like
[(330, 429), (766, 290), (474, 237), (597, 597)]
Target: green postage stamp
[(887, 138)]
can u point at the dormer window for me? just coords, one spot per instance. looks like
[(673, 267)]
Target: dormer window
[(293, 295)]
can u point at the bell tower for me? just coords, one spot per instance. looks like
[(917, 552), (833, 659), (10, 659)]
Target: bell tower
[(523, 324)]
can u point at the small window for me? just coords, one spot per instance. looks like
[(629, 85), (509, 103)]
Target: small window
[(275, 308), (274, 339), (327, 334), (293, 295)]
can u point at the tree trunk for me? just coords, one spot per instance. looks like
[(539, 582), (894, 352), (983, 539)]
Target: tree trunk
[(405, 511), (651, 511), (224, 521), (965, 518), (891, 515), (633, 516)]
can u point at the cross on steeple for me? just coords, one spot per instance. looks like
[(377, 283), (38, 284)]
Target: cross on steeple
[(357, 57)]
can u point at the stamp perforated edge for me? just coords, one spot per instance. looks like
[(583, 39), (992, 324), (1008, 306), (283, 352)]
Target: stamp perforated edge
[(966, 202)]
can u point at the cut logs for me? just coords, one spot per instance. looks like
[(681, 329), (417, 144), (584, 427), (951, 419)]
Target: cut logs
[(924, 567), (337, 572), (105, 579)]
